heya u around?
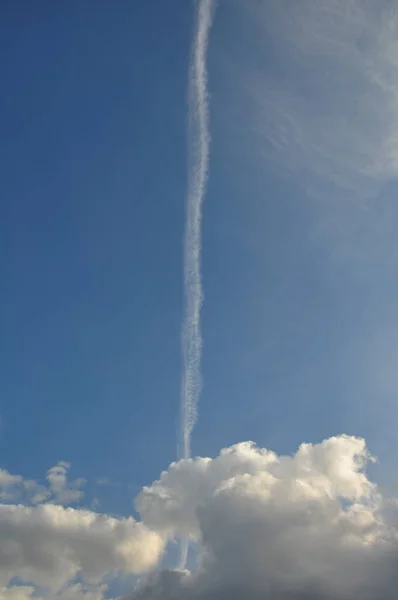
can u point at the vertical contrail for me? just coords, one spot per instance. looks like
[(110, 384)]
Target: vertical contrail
[(199, 143), (198, 163)]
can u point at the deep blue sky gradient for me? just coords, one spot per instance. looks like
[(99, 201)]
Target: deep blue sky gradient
[(92, 188), (93, 161)]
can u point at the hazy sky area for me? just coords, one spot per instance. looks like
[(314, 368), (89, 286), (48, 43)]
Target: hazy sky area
[(292, 495)]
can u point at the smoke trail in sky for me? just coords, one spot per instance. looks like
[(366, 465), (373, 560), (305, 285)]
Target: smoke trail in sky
[(199, 143)]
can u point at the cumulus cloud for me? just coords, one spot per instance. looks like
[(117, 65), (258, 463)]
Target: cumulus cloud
[(64, 492), (16, 488), (274, 527), (49, 545), (308, 526), (59, 489), (332, 468), (46, 545)]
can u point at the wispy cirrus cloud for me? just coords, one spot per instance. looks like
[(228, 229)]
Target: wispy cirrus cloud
[(317, 87), (328, 103)]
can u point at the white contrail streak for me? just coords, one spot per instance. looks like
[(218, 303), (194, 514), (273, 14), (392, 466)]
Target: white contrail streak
[(199, 143), (198, 164)]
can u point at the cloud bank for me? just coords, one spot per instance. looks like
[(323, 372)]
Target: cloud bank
[(49, 545), (59, 551), (308, 526)]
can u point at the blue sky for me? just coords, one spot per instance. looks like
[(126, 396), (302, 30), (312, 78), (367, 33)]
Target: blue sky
[(299, 248), (93, 209), (93, 192)]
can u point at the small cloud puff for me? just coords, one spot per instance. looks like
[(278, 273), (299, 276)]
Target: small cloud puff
[(64, 492)]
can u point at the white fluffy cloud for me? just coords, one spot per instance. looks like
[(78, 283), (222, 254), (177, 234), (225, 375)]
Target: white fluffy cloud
[(15, 488), (329, 469), (64, 492), (59, 489), (307, 526), (49, 545)]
